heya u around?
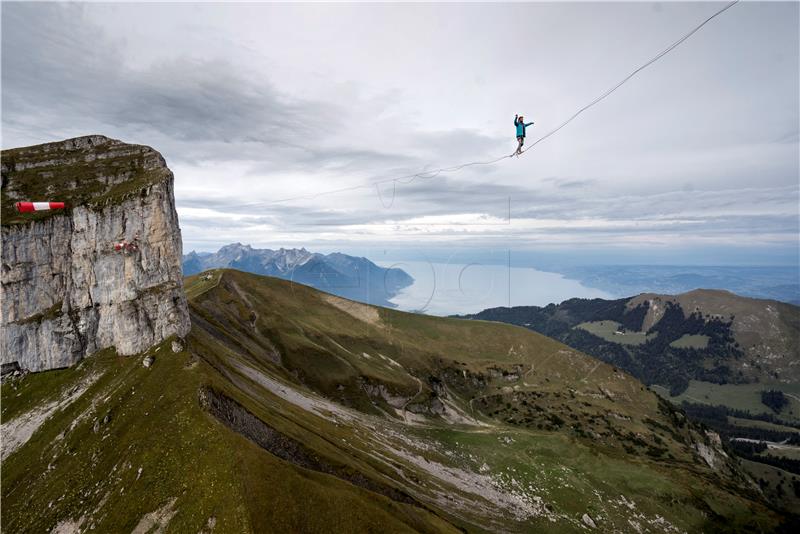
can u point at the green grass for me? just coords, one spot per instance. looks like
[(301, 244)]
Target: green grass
[(152, 426), (569, 472), (81, 182), (738, 396), (760, 424), (186, 455), (784, 451), (199, 284), (20, 396), (608, 330), (771, 478), (302, 323), (240, 321)]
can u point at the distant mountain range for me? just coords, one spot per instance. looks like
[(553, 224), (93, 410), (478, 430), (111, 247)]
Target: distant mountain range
[(765, 282), (346, 276)]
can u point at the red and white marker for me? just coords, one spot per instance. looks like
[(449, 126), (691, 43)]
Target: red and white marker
[(124, 246), (26, 207)]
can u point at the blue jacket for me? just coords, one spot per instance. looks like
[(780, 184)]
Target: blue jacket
[(521, 127)]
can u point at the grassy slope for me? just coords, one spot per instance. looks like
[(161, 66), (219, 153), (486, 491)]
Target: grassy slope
[(764, 328), (477, 476), (739, 396), (608, 331), (779, 484), (760, 424), (767, 331), (156, 424), (565, 469), (153, 425)]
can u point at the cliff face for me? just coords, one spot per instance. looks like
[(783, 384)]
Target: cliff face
[(66, 292)]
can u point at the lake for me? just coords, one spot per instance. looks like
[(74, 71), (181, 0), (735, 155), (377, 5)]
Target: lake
[(448, 289)]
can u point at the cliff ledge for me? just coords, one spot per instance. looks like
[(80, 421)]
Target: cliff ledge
[(66, 292)]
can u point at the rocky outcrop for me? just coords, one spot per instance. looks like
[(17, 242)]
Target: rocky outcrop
[(66, 292), (239, 419)]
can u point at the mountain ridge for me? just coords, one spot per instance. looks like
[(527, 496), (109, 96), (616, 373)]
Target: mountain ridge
[(757, 339), (347, 276), (381, 419)]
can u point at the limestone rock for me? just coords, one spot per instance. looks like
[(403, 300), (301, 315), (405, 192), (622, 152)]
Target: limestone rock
[(66, 293)]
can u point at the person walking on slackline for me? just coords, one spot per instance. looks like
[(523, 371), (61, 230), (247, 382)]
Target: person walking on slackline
[(519, 122)]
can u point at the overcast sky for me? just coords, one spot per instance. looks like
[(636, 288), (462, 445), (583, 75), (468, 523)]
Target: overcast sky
[(254, 104)]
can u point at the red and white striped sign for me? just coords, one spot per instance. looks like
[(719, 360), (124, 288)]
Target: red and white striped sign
[(25, 207)]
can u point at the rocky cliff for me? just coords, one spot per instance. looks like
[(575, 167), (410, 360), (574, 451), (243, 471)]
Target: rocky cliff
[(66, 292)]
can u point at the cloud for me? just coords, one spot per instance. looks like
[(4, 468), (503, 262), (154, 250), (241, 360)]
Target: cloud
[(257, 119), (194, 110), (553, 219)]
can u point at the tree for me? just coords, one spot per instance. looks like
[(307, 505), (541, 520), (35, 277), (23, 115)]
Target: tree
[(774, 399)]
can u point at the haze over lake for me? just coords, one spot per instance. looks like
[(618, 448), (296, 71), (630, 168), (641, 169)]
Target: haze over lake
[(449, 288)]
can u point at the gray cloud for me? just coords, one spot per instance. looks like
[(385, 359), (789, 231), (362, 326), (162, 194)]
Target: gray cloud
[(199, 109), (249, 110)]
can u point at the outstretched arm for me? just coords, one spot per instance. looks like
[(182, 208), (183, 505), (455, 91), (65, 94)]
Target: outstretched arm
[(529, 123), (516, 119)]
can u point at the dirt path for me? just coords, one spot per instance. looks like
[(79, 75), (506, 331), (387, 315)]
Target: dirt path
[(252, 308), (795, 397), (541, 364), (417, 394)]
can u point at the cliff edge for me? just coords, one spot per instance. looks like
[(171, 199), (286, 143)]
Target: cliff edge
[(66, 292)]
